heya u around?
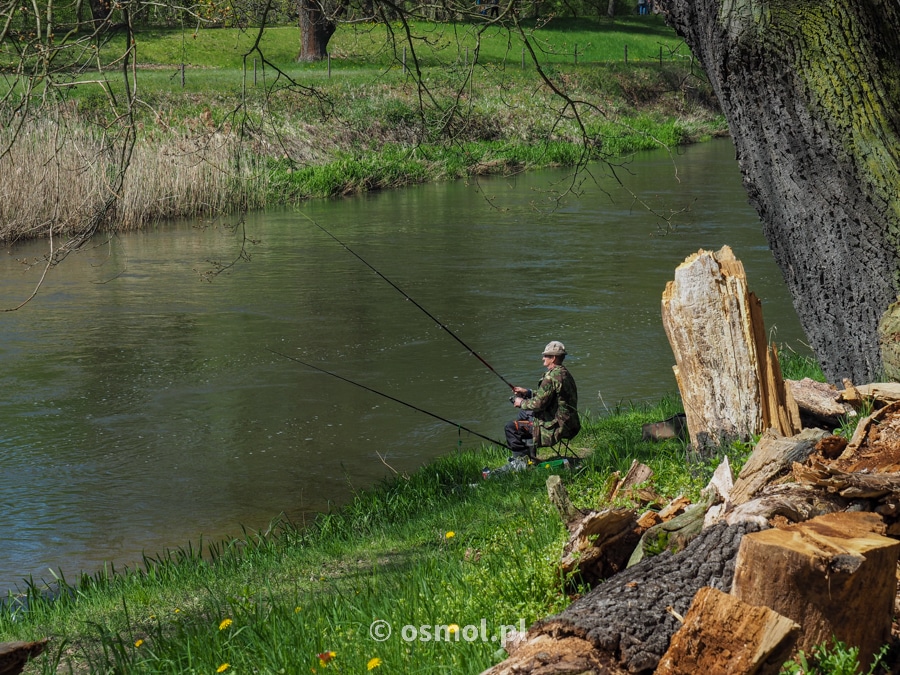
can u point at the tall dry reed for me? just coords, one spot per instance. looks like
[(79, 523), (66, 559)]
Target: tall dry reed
[(57, 177)]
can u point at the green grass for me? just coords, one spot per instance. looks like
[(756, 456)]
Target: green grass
[(436, 548), (367, 45), (797, 365)]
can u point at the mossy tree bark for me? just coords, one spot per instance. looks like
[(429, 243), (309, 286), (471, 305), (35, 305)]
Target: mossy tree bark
[(812, 97)]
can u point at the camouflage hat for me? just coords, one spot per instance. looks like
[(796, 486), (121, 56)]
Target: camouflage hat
[(554, 349)]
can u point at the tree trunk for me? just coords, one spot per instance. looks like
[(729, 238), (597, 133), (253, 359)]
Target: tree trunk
[(316, 30), (811, 100), (99, 12)]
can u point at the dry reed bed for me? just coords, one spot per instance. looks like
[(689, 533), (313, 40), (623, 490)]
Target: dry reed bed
[(56, 178)]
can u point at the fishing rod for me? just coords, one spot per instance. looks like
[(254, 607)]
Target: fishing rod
[(405, 295), (396, 400)]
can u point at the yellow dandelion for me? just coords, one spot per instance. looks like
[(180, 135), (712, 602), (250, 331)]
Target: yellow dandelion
[(373, 663), (296, 610), (450, 535), (453, 628), (223, 667), (225, 623), (138, 643), (325, 657)]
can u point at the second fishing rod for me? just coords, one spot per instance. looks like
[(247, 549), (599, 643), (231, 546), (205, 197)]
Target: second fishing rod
[(406, 295)]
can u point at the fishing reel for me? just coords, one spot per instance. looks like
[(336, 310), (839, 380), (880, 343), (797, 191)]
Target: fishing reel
[(512, 399)]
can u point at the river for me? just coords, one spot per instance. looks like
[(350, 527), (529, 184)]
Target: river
[(145, 407)]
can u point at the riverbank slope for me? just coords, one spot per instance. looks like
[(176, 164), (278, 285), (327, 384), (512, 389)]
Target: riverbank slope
[(227, 133)]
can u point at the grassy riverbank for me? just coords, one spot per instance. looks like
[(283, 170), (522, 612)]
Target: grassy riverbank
[(442, 547), (241, 132)]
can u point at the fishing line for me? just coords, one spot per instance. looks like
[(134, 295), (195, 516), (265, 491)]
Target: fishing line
[(405, 295), (387, 396)]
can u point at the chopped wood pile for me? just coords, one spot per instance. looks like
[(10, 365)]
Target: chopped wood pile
[(800, 549)]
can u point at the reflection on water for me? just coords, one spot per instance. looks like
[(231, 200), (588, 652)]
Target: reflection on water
[(144, 407)]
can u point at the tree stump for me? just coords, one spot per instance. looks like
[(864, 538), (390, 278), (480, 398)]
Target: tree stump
[(730, 381), (834, 575)]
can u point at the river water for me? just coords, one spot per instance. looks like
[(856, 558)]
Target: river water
[(144, 407)]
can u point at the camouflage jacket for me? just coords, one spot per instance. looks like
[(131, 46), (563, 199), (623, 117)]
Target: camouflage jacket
[(555, 407)]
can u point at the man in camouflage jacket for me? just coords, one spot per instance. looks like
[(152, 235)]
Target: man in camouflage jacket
[(549, 413)]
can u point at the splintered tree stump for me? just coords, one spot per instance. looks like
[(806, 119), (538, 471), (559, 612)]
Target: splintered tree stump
[(729, 379), (721, 634), (629, 619), (834, 575), (599, 541)]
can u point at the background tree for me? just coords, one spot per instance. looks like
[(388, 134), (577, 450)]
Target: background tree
[(317, 24), (811, 92)]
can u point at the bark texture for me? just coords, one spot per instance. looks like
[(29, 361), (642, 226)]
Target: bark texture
[(811, 96)]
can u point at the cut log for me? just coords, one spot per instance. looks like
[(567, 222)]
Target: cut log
[(599, 542), (673, 427), (721, 634), (625, 620), (820, 403), (773, 456), (790, 502), (721, 485), (875, 445), (674, 533), (674, 508), (849, 485), (724, 369), (834, 575), (881, 392), (566, 656)]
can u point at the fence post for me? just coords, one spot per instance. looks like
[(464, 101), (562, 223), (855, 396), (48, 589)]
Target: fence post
[(626, 54), (254, 71), (182, 76), (576, 53)]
